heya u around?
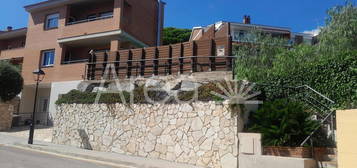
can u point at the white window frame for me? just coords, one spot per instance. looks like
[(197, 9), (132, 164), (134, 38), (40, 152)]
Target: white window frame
[(43, 64), (50, 17)]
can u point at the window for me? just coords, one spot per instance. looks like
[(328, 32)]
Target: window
[(48, 58), (52, 21), (239, 35), (106, 14)]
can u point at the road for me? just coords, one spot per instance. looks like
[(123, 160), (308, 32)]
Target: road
[(19, 158)]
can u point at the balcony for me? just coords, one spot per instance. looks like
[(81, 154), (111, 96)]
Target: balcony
[(76, 54), (12, 53), (90, 19)]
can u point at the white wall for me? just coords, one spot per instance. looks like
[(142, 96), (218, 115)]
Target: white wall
[(254, 161), (250, 155), (27, 101), (57, 89)]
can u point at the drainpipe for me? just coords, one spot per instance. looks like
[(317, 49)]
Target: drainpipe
[(161, 6)]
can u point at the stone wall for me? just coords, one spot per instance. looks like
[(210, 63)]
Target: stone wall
[(6, 111), (202, 134)]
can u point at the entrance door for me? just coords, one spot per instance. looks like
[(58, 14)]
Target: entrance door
[(43, 110)]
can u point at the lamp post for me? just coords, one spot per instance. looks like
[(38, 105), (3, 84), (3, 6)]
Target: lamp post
[(38, 77)]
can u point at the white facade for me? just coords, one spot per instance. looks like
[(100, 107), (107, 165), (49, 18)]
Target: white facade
[(58, 88)]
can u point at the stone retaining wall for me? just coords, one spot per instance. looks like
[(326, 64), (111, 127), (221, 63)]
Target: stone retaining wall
[(6, 112), (202, 134)]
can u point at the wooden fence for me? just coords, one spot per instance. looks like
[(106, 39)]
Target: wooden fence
[(181, 58)]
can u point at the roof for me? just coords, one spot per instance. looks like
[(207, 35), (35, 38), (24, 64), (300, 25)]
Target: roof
[(13, 33)]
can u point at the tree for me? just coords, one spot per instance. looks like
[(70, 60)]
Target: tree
[(256, 57), (329, 67), (173, 35), (340, 31), (11, 82)]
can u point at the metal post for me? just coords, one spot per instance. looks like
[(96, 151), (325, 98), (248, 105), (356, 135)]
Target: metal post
[(233, 69), (32, 125)]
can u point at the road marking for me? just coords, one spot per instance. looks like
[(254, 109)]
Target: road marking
[(74, 157)]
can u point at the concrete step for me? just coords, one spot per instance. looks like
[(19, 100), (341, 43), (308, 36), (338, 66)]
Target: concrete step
[(329, 164)]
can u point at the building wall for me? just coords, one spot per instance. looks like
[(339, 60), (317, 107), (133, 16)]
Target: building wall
[(346, 138), (6, 112), (202, 134), (142, 25), (58, 88), (39, 39), (13, 43), (27, 102), (140, 19), (13, 53)]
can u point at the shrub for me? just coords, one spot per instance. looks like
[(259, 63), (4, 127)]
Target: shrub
[(282, 123), (329, 67), (11, 82), (204, 94)]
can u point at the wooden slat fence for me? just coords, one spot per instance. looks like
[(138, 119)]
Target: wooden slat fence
[(181, 58)]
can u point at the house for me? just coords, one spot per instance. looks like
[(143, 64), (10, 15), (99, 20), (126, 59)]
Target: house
[(240, 32), (12, 43), (60, 35)]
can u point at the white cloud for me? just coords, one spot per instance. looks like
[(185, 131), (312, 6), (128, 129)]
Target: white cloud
[(314, 32)]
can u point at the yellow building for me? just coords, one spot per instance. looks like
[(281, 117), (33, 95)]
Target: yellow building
[(347, 138)]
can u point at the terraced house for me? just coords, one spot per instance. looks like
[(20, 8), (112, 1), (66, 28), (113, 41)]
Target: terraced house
[(60, 35), (74, 40)]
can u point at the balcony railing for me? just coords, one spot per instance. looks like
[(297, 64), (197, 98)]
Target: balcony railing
[(90, 20), (12, 48), (74, 61)]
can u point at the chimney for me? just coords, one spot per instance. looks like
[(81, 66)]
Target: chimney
[(9, 28), (246, 19)]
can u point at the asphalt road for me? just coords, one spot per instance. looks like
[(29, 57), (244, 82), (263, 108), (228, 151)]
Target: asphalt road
[(18, 158)]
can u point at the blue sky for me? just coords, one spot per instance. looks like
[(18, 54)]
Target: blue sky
[(300, 15)]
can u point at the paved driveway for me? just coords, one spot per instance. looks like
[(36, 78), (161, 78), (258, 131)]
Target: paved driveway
[(18, 158), (42, 133)]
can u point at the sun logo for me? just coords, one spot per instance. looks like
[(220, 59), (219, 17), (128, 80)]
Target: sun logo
[(240, 93)]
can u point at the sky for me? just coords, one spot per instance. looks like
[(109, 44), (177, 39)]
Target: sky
[(299, 15)]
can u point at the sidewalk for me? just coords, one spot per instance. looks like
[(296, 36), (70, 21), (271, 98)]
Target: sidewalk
[(112, 158)]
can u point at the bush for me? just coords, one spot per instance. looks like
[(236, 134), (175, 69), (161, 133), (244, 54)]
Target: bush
[(282, 123), (335, 78), (173, 35), (329, 67), (11, 82), (204, 94)]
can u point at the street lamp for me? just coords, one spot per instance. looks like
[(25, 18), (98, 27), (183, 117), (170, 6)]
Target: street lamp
[(38, 77)]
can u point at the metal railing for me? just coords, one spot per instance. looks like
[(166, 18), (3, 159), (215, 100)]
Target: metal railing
[(314, 99), (75, 61), (159, 66), (90, 20)]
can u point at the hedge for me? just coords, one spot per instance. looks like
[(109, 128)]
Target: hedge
[(204, 94)]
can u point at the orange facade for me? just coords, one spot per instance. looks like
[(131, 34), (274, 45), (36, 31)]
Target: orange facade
[(82, 26)]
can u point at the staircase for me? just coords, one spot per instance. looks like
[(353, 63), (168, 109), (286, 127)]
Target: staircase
[(323, 110), (329, 160)]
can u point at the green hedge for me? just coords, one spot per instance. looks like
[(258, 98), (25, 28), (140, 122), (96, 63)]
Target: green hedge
[(336, 78), (204, 94), (286, 123)]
